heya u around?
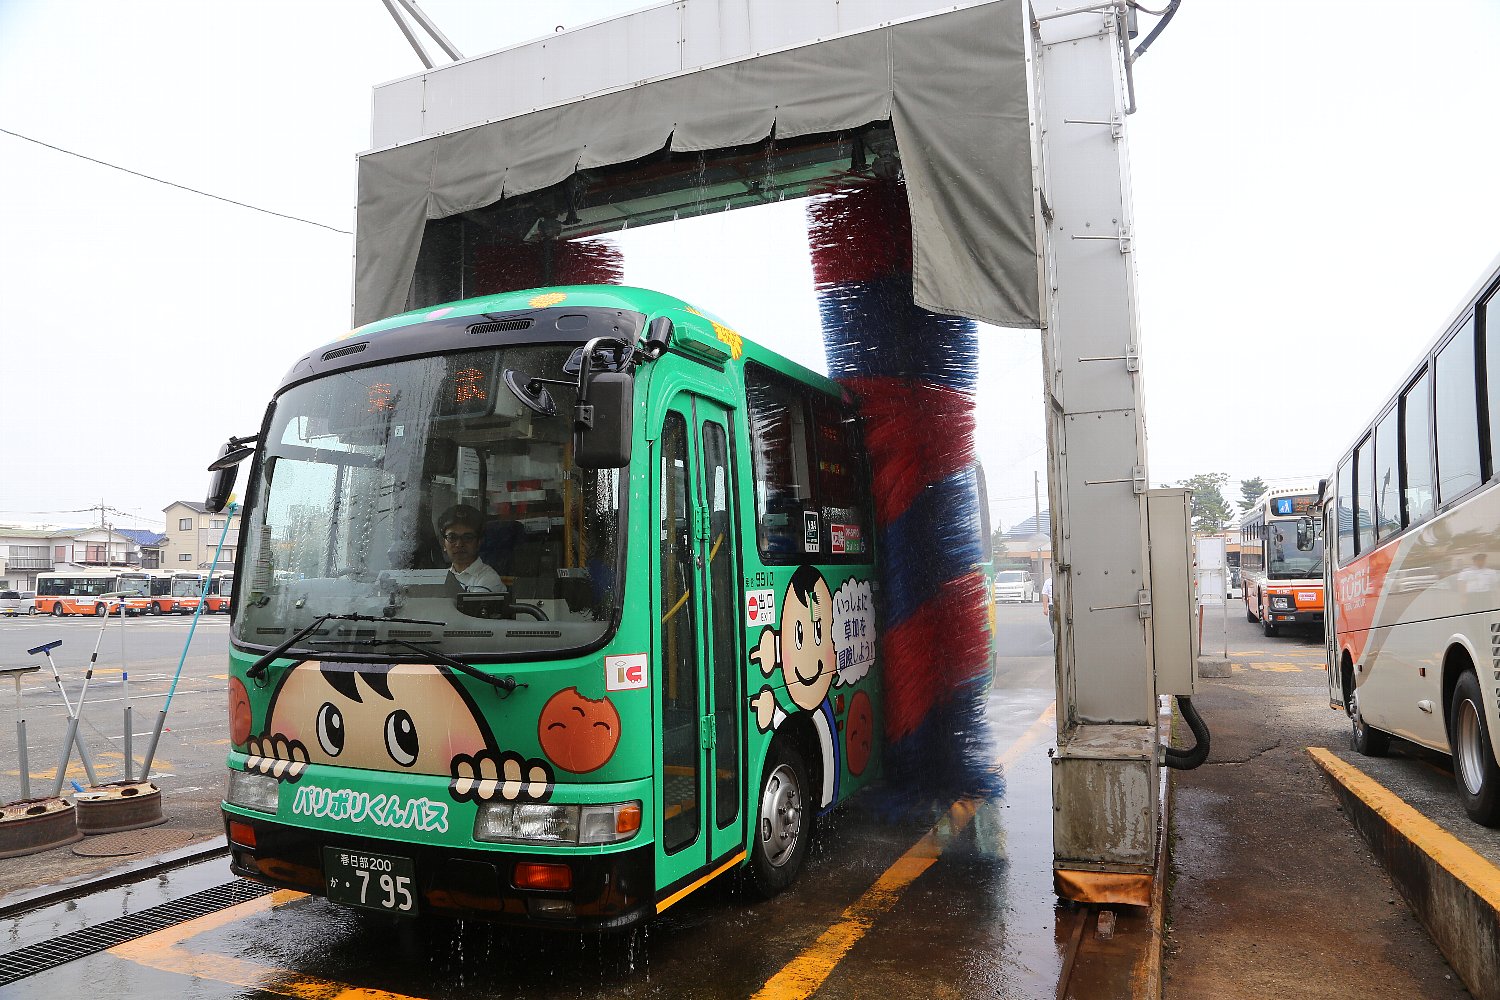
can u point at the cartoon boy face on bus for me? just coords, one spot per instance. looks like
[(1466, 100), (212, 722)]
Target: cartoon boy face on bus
[(389, 717), (802, 650)]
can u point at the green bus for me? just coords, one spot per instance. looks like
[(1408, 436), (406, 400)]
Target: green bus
[(552, 606)]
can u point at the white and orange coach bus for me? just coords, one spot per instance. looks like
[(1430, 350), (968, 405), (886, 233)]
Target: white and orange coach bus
[(1281, 560), (1414, 594)]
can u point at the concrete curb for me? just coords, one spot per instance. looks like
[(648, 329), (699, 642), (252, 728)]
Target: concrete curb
[(134, 870), (1454, 891)]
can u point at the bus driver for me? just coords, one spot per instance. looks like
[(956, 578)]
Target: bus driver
[(459, 529)]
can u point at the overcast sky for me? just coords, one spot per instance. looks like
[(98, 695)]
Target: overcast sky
[(1313, 195)]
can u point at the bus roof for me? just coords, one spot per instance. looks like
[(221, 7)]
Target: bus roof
[(623, 297)]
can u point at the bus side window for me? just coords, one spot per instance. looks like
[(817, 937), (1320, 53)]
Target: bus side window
[(1364, 495), (1416, 450), (783, 479), (1492, 377), (1345, 490), (1457, 417), (1387, 477)]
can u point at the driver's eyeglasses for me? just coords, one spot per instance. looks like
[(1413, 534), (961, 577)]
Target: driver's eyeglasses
[(454, 538)]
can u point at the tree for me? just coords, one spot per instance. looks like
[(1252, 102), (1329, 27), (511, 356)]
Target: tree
[(1251, 490), (1210, 510), (998, 551)]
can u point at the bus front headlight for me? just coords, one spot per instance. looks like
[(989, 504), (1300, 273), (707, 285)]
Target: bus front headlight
[(1281, 602), (554, 823), (253, 791)]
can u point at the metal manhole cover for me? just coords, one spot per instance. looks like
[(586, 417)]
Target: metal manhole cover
[(118, 845)]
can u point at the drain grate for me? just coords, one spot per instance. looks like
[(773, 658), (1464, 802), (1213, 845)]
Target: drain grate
[(92, 940)]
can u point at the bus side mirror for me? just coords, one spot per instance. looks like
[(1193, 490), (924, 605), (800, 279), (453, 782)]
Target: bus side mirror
[(225, 469), (602, 426), (1305, 534)]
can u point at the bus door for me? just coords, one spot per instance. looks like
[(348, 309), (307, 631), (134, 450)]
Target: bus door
[(699, 800)]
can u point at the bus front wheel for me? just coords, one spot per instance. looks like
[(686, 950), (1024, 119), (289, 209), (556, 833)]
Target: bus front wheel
[(57, 610), (154, 609), (1474, 767), (784, 823)]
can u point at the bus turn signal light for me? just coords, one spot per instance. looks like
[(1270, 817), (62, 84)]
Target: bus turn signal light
[(628, 819), (242, 834), (536, 875)]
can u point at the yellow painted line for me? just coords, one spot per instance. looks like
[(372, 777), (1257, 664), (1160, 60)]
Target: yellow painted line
[(701, 882), (1460, 860), (808, 971), (160, 951)]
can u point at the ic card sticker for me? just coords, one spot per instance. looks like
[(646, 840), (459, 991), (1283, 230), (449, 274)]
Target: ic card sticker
[(845, 539), (760, 608), (626, 672), (810, 533)]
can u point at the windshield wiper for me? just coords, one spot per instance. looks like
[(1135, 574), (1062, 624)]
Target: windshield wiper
[(259, 666), (506, 683)]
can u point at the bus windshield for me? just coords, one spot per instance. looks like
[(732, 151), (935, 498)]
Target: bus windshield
[(140, 586), (187, 586), (1286, 560), (424, 490)]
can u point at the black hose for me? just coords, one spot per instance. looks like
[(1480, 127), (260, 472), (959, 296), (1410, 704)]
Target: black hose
[(1186, 760), (1166, 19)]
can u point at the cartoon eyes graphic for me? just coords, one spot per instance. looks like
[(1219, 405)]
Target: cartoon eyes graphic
[(799, 635), (817, 633), (331, 729), (401, 738)]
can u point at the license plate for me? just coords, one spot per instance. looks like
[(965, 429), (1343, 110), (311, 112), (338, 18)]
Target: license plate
[(375, 881)]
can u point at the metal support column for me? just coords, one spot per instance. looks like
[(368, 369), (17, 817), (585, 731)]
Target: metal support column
[(1105, 771)]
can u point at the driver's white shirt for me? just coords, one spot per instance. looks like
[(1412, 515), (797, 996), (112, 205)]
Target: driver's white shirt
[(478, 577)]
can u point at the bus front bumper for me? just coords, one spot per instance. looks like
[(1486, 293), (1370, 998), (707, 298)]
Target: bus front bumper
[(1299, 617), (609, 891)]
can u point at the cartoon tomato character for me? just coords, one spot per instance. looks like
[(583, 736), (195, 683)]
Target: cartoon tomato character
[(578, 734), (240, 716), (859, 733)]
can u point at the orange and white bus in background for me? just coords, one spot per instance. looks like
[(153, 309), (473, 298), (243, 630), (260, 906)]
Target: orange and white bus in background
[(1414, 596), (220, 589), (1281, 560), (187, 591), (75, 592), (149, 591)]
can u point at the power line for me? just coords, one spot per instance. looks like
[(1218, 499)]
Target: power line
[(181, 187)]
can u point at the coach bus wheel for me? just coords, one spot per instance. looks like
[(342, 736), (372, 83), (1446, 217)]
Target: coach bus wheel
[(783, 825), (1249, 614), (1474, 767), (154, 609), (57, 610), (100, 611), (1367, 740), (1267, 626)]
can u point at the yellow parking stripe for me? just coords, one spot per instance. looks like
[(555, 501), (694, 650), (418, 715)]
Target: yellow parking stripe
[(160, 951), (804, 974), (1462, 861)]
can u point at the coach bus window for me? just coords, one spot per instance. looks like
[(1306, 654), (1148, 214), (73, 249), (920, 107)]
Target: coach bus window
[(1387, 477), (1364, 496), (1492, 374), (1416, 441), (1345, 510), (1457, 418), (778, 442)]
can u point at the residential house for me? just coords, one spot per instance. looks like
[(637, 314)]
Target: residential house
[(26, 551), (149, 542), (193, 535), (1028, 545)]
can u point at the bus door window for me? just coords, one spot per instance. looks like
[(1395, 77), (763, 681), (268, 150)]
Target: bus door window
[(718, 484), (678, 689)]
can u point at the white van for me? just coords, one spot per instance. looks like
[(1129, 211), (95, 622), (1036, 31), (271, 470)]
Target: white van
[(1015, 585), (17, 602)]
